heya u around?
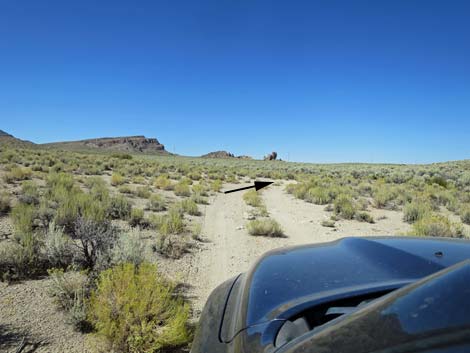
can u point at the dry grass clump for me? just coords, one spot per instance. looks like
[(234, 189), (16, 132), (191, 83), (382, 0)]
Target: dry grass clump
[(117, 179), (465, 214), (253, 198), (182, 189), (266, 227), (17, 174), (156, 203), (163, 182)]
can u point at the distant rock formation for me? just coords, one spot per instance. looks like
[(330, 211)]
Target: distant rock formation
[(223, 154), (271, 157), (122, 144)]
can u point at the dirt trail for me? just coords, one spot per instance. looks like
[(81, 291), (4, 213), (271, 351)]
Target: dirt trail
[(229, 249)]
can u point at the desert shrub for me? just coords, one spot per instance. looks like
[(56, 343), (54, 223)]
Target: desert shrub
[(199, 199), (29, 193), (58, 247), (143, 192), (134, 309), (119, 207), (94, 240), (216, 185), (415, 210), (129, 249), (117, 179), (383, 195), (23, 216), (125, 189), (199, 189), (5, 203), (136, 218), (465, 214), (317, 195), (344, 206), (22, 259), (438, 180), (182, 189), (364, 217), (252, 198), (436, 226), (266, 227), (156, 203), (17, 174), (163, 182), (69, 290), (189, 206), (170, 223), (171, 245)]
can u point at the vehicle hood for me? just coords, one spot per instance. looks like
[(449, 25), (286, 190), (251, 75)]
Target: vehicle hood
[(285, 281)]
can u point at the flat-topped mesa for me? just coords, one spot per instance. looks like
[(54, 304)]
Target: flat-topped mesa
[(138, 143), (126, 143)]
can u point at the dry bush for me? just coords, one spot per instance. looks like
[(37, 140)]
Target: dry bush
[(135, 309), (266, 227), (252, 198)]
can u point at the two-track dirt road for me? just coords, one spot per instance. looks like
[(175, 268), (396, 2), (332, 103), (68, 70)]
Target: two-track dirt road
[(229, 249)]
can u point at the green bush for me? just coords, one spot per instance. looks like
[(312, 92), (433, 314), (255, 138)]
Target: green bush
[(266, 227), (436, 226), (182, 189), (156, 203), (344, 207), (69, 290), (383, 195), (117, 179), (23, 216), (22, 259), (58, 247), (29, 193), (465, 214), (252, 198), (129, 249), (189, 206), (317, 195), (134, 309), (415, 210), (364, 217), (163, 182), (216, 185), (171, 223), (17, 174), (119, 207), (143, 192)]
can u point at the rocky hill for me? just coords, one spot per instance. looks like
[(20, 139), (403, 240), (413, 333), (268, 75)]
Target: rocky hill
[(10, 140), (223, 154), (140, 144)]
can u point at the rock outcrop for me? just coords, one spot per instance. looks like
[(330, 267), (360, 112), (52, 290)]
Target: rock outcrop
[(122, 144), (223, 154)]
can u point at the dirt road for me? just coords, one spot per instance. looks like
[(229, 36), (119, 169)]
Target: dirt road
[(229, 249)]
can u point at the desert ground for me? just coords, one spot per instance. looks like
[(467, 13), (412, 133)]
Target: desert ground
[(212, 237)]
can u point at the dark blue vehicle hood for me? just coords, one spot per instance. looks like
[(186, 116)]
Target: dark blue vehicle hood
[(286, 281)]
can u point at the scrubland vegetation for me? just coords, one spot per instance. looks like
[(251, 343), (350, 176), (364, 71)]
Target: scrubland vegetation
[(95, 223)]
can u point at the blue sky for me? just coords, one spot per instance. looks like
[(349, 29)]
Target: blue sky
[(318, 81)]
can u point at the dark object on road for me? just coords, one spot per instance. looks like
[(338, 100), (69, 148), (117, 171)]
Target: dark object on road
[(377, 294)]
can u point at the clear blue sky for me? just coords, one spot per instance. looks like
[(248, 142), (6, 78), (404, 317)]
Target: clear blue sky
[(319, 81)]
